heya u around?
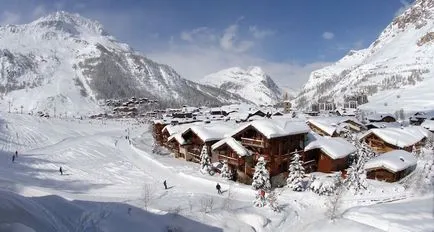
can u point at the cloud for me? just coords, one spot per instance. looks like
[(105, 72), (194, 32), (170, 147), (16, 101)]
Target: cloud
[(404, 7), (202, 34), (9, 18), (260, 34), (328, 35), (230, 40), (195, 62)]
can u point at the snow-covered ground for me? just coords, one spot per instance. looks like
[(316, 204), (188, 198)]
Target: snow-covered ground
[(111, 184)]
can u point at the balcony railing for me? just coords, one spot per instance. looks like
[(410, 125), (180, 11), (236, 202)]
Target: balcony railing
[(252, 142)]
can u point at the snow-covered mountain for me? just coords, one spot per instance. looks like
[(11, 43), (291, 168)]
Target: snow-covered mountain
[(67, 61), (396, 70), (252, 84)]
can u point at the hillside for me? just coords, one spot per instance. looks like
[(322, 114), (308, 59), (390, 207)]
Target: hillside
[(396, 70), (253, 84), (70, 62)]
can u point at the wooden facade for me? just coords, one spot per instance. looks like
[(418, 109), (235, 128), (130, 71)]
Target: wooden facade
[(157, 133), (276, 151), (387, 175), (193, 147), (380, 146), (316, 160)]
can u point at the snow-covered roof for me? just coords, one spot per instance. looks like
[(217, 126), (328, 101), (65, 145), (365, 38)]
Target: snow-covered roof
[(428, 124), (239, 115), (273, 128), (172, 129), (335, 148), (395, 161), (384, 124), (211, 131), (400, 137), (234, 144), (331, 125), (379, 116), (178, 137)]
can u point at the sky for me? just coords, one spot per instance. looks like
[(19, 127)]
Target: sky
[(287, 38)]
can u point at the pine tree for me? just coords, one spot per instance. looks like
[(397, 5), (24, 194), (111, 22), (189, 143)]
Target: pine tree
[(261, 177), (205, 161), (225, 173), (356, 176), (296, 174)]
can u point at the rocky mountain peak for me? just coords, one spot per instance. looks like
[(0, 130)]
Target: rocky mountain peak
[(71, 23)]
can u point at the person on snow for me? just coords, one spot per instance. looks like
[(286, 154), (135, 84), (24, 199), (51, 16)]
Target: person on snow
[(165, 184), (16, 153), (13, 158), (61, 170), (219, 188)]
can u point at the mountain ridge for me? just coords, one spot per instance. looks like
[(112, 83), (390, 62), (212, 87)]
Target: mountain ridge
[(395, 67), (251, 83), (69, 61)]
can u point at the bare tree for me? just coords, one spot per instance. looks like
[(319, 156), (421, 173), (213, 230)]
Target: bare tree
[(335, 201), (148, 193), (91, 220), (207, 204)]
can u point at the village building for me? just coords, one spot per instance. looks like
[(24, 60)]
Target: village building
[(327, 154), (381, 118), (391, 166), (374, 125), (196, 136), (335, 126), (388, 139), (429, 125), (274, 139), (419, 117)]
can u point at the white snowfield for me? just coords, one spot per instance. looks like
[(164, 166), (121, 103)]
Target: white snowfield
[(335, 148), (112, 185), (400, 137), (394, 161)]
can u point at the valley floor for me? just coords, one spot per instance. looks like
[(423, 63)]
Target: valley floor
[(111, 183)]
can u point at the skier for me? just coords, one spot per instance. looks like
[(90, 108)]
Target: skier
[(218, 187), (16, 154), (13, 158), (61, 170), (165, 184)]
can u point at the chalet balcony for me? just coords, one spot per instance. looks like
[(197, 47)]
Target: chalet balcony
[(231, 160), (252, 142)]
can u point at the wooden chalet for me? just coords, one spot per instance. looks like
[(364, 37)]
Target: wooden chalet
[(334, 126), (275, 140), (419, 117), (391, 166), (174, 144), (322, 128), (388, 139), (157, 131), (326, 154), (197, 136), (381, 118)]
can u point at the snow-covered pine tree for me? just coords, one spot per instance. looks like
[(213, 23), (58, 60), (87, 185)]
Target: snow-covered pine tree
[(296, 174), (205, 161), (356, 176), (226, 173), (261, 177)]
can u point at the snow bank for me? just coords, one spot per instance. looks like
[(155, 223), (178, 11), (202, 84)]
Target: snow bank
[(394, 161)]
